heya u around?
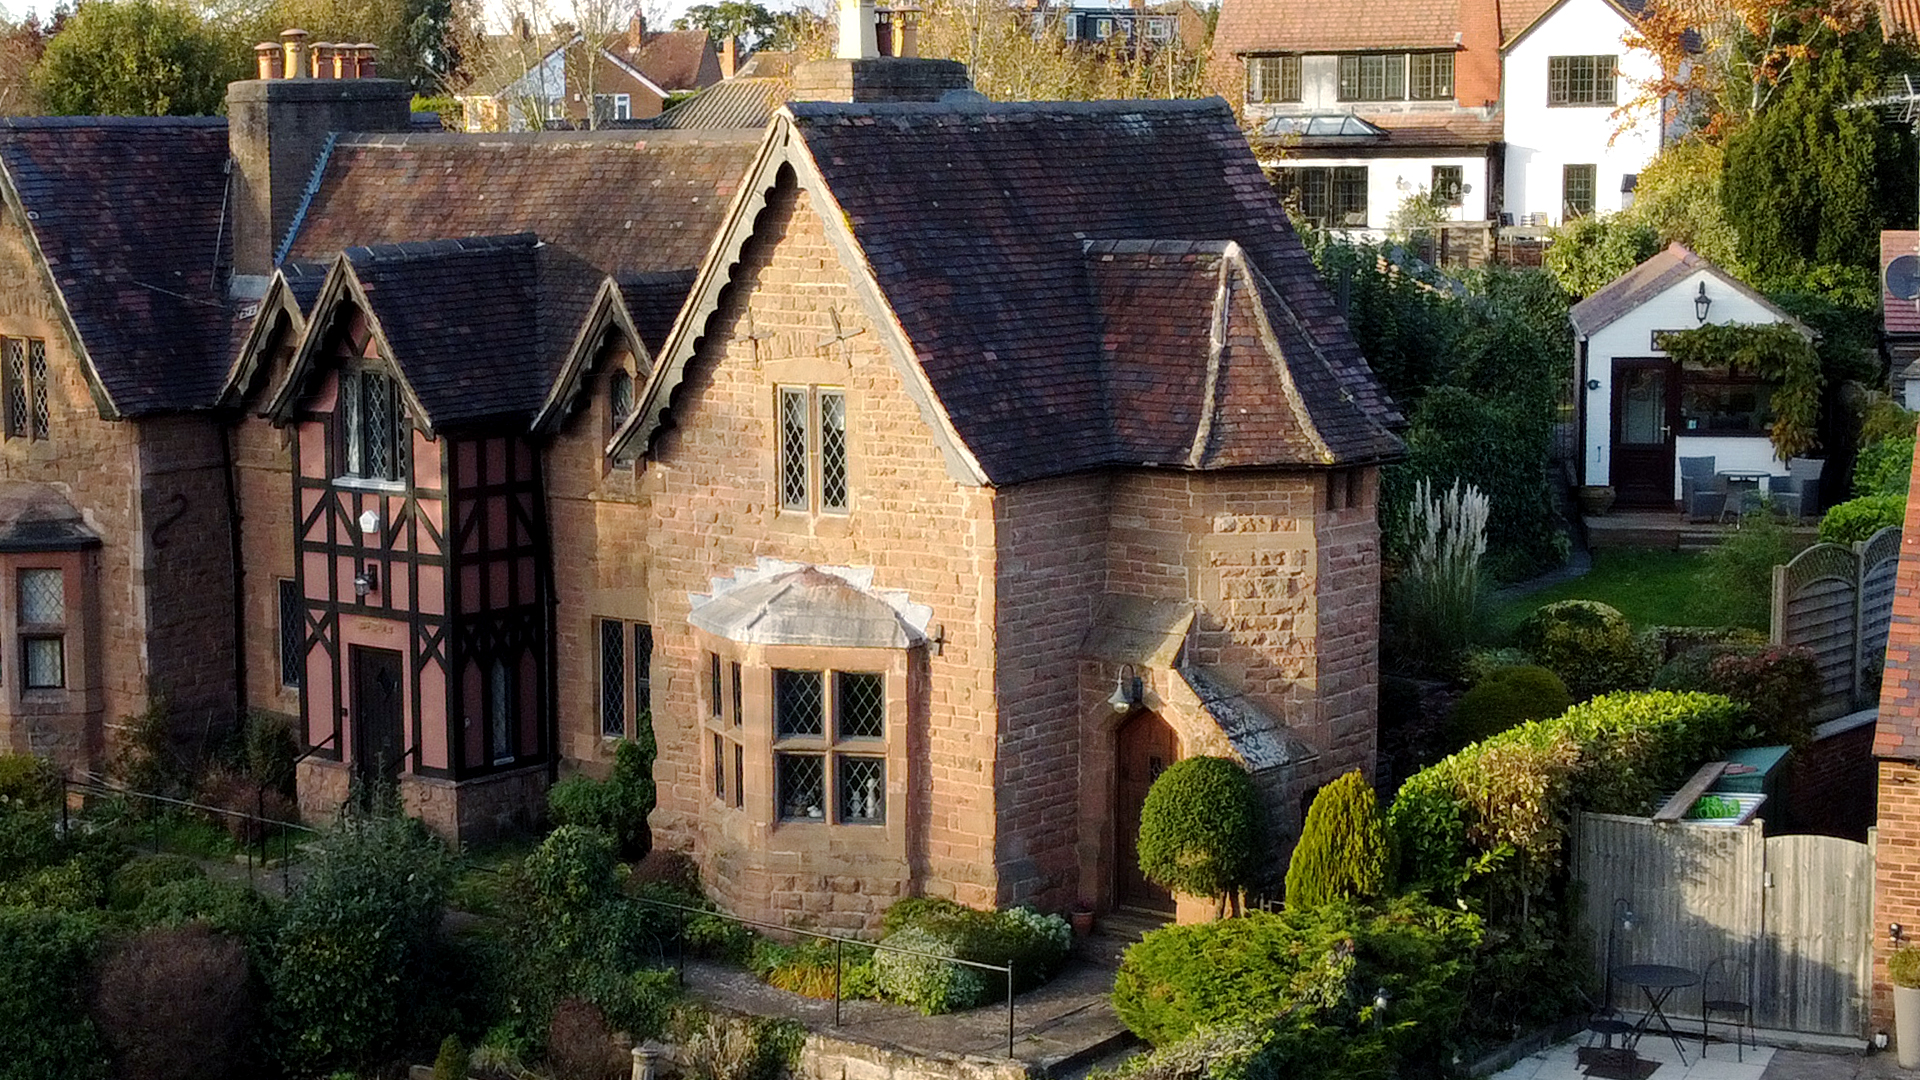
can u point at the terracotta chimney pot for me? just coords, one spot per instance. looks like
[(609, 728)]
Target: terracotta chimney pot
[(364, 54), (345, 64), (266, 57), (293, 47)]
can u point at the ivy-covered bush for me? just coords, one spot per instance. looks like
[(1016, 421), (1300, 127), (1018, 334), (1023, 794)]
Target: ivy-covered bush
[(45, 1032), (1588, 644), (1200, 828), (618, 805), (1498, 811), (1507, 697), (1034, 944), (1343, 852), (1775, 352), (1858, 519), (1779, 684), (1322, 968), (357, 941)]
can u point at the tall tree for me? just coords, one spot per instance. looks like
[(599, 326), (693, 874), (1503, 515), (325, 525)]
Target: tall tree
[(138, 58), (749, 22)]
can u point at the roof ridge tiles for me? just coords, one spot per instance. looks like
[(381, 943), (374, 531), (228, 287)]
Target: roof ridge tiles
[(156, 123), (826, 110), (428, 249)]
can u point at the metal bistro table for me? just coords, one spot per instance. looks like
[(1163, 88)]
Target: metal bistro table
[(1657, 982)]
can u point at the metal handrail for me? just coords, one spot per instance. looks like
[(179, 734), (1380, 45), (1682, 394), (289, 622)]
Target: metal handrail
[(93, 785), (839, 941)]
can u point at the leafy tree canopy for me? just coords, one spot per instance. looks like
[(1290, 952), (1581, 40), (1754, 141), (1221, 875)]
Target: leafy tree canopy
[(746, 20), (138, 58), (1588, 252)]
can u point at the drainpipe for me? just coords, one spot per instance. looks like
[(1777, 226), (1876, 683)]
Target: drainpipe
[(239, 572)]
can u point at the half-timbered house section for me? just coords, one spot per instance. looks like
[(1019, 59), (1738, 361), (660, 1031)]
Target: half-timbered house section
[(116, 536), (475, 723), (985, 478)]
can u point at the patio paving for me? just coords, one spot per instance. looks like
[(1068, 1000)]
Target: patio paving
[(1561, 1062)]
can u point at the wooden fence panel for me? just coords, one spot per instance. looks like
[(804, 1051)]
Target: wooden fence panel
[(1837, 600), (1693, 890), (1798, 910), (1814, 974)]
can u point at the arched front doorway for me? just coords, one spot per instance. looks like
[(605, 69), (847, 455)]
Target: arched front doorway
[(1144, 747)]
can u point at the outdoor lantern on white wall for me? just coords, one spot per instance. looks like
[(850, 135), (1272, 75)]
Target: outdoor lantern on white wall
[(1701, 303)]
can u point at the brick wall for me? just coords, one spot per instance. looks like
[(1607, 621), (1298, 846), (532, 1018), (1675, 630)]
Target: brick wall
[(188, 574), (1829, 785), (711, 498), (1896, 887)]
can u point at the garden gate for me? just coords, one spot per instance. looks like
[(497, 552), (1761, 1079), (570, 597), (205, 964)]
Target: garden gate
[(1837, 600), (1797, 909)]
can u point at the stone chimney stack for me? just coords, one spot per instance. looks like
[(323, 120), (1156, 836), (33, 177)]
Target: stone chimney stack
[(729, 57), (280, 123), (859, 73)]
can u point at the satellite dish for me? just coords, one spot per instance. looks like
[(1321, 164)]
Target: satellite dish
[(1903, 277)]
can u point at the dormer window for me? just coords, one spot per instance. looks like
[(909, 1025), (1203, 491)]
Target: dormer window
[(620, 399), (1272, 79), (1396, 76), (374, 432)]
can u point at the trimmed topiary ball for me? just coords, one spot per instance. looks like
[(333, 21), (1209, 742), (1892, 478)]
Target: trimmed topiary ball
[(1200, 828), (1343, 851), (1588, 644), (1508, 697)]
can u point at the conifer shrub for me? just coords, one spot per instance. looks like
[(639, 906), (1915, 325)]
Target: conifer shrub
[(452, 1062), (1588, 644), (1343, 853), (45, 1032), (618, 805), (1507, 697), (1322, 966), (1200, 828)]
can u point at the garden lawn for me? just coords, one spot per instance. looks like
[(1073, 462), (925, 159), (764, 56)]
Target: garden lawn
[(1650, 587)]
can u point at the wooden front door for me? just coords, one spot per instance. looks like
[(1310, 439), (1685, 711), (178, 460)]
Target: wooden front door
[(1145, 746), (379, 741), (1646, 411)]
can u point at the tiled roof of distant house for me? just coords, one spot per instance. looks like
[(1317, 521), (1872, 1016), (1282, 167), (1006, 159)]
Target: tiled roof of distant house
[(129, 213), (679, 60), (736, 103)]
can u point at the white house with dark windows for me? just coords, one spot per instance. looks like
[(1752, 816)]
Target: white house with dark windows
[(1646, 422), (1499, 113), (1575, 141)]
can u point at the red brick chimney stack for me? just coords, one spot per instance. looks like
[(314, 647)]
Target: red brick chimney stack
[(636, 33), (729, 57), (1476, 62)]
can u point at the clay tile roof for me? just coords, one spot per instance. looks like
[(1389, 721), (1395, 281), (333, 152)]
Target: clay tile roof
[(424, 296), (679, 60), (619, 201), (1898, 316), (975, 221), (736, 103), (1899, 17), (129, 214), (1335, 25)]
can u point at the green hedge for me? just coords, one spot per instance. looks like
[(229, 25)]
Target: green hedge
[(1884, 467), (1320, 967), (1858, 519), (1588, 644), (1508, 696), (1500, 808), (45, 1033)]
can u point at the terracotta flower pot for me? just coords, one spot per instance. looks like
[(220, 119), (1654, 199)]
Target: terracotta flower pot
[(1595, 499), (1082, 920)]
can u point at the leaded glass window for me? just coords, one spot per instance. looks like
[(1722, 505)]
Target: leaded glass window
[(833, 450), (43, 597), (799, 703), (862, 783), (375, 432), (860, 705), (1577, 183), (1581, 80), (44, 661), (719, 768), (739, 776), (1373, 77), (37, 374), (738, 696), (293, 633), (620, 398), (793, 449), (16, 379), (1430, 76), (613, 676), (801, 786), (714, 700), (1272, 79)]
